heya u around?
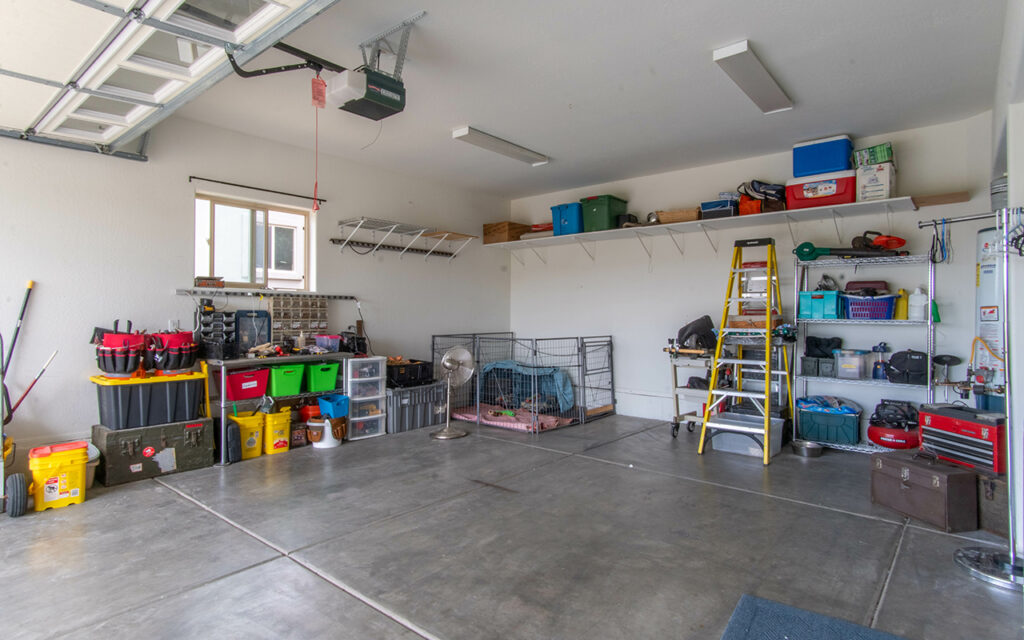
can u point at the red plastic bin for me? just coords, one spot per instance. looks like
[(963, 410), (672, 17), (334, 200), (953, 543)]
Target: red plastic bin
[(822, 190), (250, 383)]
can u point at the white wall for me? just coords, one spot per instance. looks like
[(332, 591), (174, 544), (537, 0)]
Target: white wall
[(106, 238), (643, 302)]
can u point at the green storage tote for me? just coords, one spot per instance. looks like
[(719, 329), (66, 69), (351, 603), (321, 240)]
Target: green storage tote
[(322, 376), (286, 379), (599, 212)]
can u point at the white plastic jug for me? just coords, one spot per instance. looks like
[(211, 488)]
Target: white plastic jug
[(916, 305)]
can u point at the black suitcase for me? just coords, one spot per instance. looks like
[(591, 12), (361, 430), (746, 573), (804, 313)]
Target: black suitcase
[(920, 486), (148, 452)]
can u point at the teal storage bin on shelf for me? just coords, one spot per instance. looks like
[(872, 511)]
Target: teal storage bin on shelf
[(322, 376), (599, 212), (820, 305), (286, 380), (333, 406), (567, 218)]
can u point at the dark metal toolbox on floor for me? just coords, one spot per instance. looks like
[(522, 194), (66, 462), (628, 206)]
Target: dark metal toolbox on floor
[(148, 452), (922, 487), (415, 407), (993, 505)]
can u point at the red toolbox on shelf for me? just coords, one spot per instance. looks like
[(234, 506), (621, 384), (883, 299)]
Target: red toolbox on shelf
[(250, 383), (968, 437), (822, 190)]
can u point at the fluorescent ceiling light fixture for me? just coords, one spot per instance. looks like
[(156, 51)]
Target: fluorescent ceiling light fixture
[(497, 145), (740, 63)]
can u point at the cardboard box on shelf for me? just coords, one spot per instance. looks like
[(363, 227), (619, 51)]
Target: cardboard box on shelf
[(679, 215), (876, 181), (877, 154), (504, 231)]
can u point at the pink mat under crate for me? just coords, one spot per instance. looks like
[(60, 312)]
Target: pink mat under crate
[(522, 421)]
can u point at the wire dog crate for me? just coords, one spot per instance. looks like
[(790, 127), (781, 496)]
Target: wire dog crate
[(533, 384)]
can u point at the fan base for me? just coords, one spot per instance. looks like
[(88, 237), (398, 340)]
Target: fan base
[(448, 433)]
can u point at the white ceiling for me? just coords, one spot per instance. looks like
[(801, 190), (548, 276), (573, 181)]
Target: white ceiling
[(616, 89)]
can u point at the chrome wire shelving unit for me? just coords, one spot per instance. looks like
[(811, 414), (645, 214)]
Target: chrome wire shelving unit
[(802, 382)]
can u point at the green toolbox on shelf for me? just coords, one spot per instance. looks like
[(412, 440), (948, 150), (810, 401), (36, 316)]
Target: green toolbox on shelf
[(322, 376), (599, 212), (286, 379)]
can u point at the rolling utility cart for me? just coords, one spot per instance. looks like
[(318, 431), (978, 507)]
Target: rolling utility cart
[(690, 359)]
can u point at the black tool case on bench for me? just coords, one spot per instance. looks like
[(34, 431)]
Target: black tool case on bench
[(148, 452)]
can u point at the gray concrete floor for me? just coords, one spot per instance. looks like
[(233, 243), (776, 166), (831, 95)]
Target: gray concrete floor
[(605, 530)]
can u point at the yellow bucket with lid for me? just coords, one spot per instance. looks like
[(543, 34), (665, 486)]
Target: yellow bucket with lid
[(250, 432), (277, 433), (58, 474)]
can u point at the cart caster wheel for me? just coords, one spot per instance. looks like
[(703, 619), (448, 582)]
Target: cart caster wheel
[(675, 429), (17, 495), (690, 426)]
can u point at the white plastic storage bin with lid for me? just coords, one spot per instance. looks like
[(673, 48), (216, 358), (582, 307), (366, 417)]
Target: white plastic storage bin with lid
[(366, 386), (851, 363)]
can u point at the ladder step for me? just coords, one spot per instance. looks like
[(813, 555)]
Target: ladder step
[(732, 393), (763, 270), (740, 361), (726, 426), (743, 330)]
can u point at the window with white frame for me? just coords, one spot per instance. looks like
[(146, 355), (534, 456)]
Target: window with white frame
[(250, 244)]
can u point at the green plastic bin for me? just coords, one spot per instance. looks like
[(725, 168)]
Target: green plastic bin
[(286, 379), (599, 212), (322, 376)]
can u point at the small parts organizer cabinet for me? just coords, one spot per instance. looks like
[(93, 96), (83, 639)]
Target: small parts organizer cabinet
[(365, 385), (901, 272), (298, 314)]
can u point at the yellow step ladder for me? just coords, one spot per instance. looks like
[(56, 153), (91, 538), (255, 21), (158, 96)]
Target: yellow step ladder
[(754, 290)]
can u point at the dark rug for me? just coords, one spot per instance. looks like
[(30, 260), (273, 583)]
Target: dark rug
[(759, 619)]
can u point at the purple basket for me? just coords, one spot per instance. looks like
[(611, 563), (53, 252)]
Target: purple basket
[(868, 307)]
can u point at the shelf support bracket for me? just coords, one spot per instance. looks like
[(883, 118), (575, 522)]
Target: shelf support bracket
[(792, 234), (538, 254), (647, 249), (518, 257), (411, 242), (461, 247), (708, 236), (383, 239), (354, 229), (835, 222), (677, 239), (436, 245), (590, 254)]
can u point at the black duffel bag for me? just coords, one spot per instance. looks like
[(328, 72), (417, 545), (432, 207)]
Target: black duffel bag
[(908, 367)]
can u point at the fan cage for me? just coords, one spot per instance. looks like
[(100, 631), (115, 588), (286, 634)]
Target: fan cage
[(546, 382)]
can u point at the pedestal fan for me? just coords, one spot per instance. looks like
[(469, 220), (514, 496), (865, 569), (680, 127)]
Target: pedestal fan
[(457, 363)]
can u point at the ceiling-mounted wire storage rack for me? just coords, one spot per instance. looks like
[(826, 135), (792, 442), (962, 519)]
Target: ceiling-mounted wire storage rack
[(407, 238)]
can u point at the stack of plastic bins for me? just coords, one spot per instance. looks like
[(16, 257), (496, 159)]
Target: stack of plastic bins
[(365, 380)]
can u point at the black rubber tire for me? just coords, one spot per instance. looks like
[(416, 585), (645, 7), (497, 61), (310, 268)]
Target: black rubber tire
[(675, 429), (690, 426), (17, 494)]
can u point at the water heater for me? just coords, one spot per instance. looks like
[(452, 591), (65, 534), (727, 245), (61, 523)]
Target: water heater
[(989, 312)]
